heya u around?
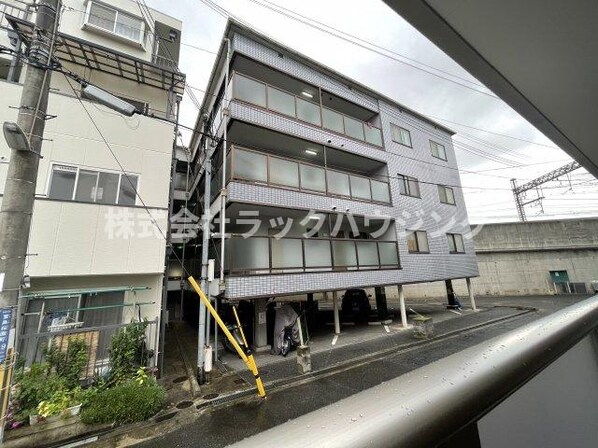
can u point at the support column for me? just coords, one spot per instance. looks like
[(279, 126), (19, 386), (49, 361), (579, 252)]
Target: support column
[(402, 306), (260, 327), (381, 304), (471, 296), (337, 322), (450, 294)]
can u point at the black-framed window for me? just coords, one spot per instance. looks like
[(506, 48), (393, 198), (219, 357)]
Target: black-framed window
[(401, 135), (438, 150), (446, 195), (417, 242), (455, 242), (409, 186)]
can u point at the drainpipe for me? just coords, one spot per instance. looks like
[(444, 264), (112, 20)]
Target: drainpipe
[(201, 332), (223, 193)]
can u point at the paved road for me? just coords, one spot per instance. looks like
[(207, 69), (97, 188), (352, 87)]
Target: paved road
[(219, 427)]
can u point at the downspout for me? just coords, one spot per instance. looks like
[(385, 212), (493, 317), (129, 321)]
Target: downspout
[(201, 331), (223, 192)]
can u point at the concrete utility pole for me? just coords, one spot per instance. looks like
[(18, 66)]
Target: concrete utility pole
[(19, 190), (21, 179)]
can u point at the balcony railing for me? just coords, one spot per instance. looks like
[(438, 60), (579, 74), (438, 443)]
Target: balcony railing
[(8, 9), (268, 255), (255, 166), (272, 98)]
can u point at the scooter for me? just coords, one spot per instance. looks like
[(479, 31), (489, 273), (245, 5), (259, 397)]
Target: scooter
[(288, 343)]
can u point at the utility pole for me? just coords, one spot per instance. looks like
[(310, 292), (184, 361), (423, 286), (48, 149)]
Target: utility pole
[(19, 190)]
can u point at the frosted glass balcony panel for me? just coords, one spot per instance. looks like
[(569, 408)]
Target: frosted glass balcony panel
[(380, 191), (338, 183), (309, 112), (373, 135), (367, 253), (317, 253), (287, 253), (354, 128), (360, 188), (249, 90), (250, 165), (388, 254), (333, 120), (344, 253), (280, 101), (284, 172), (313, 178), (249, 254)]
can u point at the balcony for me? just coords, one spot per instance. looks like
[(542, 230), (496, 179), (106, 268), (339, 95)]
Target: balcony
[(274, 240), (268, 255), (304, 108), (263, 168)]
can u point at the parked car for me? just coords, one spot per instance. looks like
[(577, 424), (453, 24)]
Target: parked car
[(356, 305)]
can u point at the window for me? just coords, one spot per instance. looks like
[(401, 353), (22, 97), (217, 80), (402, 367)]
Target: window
[(438, 150), (455, 242), (69, 183), (446, 195), (409, 186), (401, 135), (116, 22), (417, 241)]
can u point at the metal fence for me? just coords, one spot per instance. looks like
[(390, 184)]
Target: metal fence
[(97, 339)]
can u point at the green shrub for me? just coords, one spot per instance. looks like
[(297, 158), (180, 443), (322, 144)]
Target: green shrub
[(127, 402), (34, 386), (69, 363), (128, 352)]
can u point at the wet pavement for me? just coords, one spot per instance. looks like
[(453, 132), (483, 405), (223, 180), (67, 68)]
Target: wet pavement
[(221, 425)]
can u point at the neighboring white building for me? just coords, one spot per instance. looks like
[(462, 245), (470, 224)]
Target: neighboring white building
[(93, 243)]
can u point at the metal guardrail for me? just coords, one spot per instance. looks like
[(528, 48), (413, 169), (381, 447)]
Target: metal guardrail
[(425, 407)]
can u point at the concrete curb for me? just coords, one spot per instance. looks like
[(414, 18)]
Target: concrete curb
[(355, 362), (174, 417)]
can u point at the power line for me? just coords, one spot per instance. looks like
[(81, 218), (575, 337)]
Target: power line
[(121, 167), (367, 45)]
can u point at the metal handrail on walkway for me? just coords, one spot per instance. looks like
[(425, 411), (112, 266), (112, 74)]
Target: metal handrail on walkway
[(428, 405)]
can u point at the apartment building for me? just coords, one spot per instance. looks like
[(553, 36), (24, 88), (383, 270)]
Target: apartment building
[(329, 184), (96, 257)]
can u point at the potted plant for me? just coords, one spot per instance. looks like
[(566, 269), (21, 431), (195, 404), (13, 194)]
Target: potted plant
[(62, 404)]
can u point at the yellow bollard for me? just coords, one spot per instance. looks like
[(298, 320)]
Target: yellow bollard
[(247, 358)]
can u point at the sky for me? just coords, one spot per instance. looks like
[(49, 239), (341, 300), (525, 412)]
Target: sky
[(493, 143)]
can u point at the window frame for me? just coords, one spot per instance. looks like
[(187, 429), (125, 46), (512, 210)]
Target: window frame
[(415, 233), (98, 172), (438, 145), (452, 236), (399, 128), (405, 180), (445, 188), (142, 30)]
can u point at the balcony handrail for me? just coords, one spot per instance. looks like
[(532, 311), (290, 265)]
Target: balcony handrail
[(319, 104), (299, 163), (428, 405)]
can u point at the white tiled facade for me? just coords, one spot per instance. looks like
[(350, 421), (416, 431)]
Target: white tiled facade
[(410, 213)]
